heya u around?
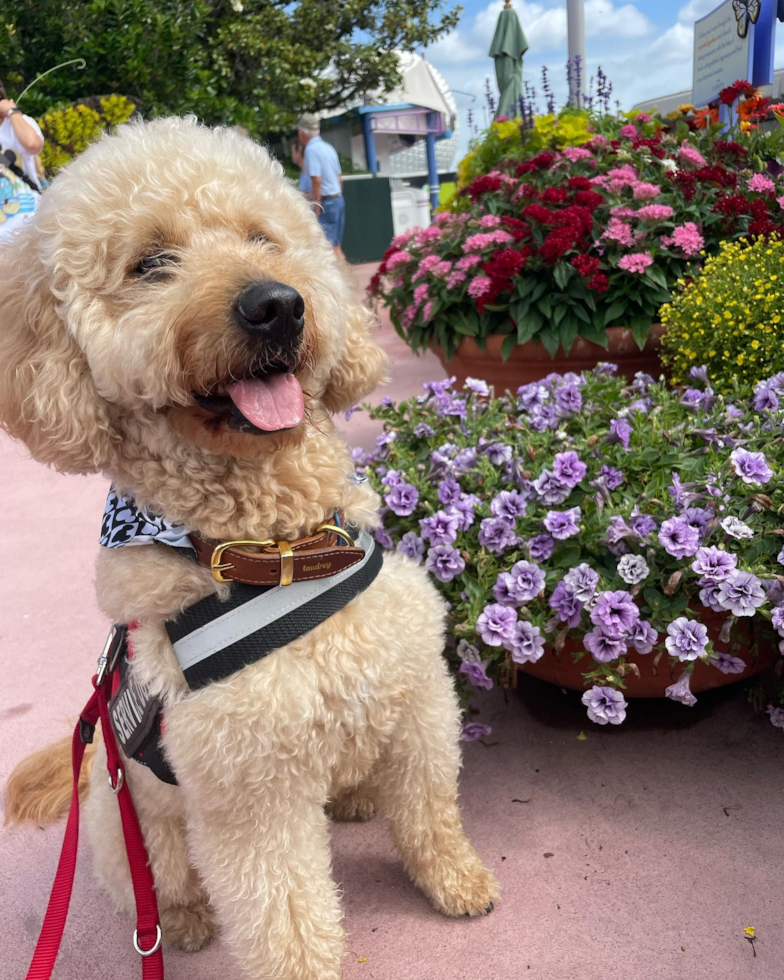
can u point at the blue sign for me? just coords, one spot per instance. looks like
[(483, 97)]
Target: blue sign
[(764, 44)]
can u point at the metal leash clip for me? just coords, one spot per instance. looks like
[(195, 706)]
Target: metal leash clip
[(112, 650)]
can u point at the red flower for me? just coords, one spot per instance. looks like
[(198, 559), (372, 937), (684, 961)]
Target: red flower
[(716, 175), (728, 95), (535, 212), (544, 160), (730, 149), (763, 227), (555, 195), (586, 265), (576, 217), (525, 168), (485, 184), (732, 205), (580, 184), (744, 88), (557, 244), (588, 199), (599, 284), (518, 228), (503, 265), (760, 208)]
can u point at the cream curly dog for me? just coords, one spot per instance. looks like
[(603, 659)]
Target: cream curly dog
[(117, 326)]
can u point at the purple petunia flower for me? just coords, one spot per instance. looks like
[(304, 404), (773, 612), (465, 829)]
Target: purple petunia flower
[(509, 505), (563, 524), (581, 582), (618, 529), (473, 731), (569, 468), (440, 528), (726, 663), (620, 432), (686, 639), (643, 637), (550, 489), (698, 518), (776, 716), (742, 594), (709, 594), (693, 399), (411, 545), (498, 453), (568, 400), (633, 569), (714, 564), (567, 606), (615, 613), (463, 511), (750, 467), (765, 398), (527, 643), (445, 562), (737, 529), (612, 477), (699, 373), (423, 431), (679, 538), (681, 691), (496, 624), (476, 673), (449, 491), (604, 648), (402, 499), (541, 547), (496, 534), (644, 525), (477, 386), (465, 461), (777, 619), (383, 538), (605, 705), (676, 490)]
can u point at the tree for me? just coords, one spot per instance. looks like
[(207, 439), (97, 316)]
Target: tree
[(258, 63)]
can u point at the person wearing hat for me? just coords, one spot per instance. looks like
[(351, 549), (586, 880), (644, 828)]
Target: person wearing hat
[(322, 168)]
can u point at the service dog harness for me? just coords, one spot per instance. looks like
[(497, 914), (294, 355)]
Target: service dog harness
[(283, 590)]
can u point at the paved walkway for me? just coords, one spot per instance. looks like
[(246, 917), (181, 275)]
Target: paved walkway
[(639, 853)]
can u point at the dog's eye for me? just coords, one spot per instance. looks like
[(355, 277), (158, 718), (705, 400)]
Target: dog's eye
[(259, 238), (155, 266)]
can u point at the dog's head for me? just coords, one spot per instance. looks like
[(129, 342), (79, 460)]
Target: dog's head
[(172, 280)]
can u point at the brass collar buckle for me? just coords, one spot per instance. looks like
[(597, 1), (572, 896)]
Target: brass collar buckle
[(217, 567)]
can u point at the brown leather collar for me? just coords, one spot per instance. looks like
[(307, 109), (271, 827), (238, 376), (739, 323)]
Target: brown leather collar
[(329, 551)]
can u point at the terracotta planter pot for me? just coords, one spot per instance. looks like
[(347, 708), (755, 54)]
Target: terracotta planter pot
[(531, 362), (560, 668)]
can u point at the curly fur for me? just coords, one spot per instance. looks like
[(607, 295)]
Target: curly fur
[(98, 369)]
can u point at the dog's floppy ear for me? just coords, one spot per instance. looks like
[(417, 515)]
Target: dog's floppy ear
[(362, 366), (47, 397)]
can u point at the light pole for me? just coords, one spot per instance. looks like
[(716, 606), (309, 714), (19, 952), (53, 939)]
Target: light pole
[(575, 23)]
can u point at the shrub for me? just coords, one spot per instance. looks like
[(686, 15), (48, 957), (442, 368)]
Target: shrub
[(730, 317), (536, 514), (70, 130)]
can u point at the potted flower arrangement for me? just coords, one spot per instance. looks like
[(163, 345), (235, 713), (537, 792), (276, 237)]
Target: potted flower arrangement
[(620, 538), (574, 249)]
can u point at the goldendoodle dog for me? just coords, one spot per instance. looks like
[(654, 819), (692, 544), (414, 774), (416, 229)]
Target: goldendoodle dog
[(173, 318)]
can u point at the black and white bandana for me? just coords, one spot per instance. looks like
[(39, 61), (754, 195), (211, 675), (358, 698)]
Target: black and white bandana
[(125, 523)]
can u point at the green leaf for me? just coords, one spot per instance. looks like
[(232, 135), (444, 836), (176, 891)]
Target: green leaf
[(570, 327), (551, 339), (560, 312), (518, 308), (614, 311), (562, 274), (568, 557), (641, 328), (546, 306), (656, 273), (528, 326), (595, 333), (508, 346)]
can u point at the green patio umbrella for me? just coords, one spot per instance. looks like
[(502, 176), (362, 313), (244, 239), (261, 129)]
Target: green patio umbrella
[(508, 47)]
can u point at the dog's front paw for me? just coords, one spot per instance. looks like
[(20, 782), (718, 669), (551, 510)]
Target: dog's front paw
[(188, 927), (351, 805), (468, 889)]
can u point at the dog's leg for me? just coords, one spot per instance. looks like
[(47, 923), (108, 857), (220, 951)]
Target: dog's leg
[(355, 804), (187, 921), (253, 759), (416, 787)]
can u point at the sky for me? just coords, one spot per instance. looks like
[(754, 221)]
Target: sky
[(644, 47)]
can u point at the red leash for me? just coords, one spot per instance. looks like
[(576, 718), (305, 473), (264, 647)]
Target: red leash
[(147, 938)]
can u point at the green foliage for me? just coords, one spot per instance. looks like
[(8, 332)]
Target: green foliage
[(69, 131), (256, 63), (730, 317)]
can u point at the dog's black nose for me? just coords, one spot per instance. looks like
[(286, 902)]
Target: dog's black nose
[(271, 310)]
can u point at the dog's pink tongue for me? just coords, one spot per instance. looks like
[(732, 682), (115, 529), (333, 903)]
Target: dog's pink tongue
[(270, 403)]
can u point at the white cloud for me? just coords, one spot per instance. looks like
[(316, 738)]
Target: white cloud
[(695, 9)]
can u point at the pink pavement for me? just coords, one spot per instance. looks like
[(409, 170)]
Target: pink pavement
[(638, 853)]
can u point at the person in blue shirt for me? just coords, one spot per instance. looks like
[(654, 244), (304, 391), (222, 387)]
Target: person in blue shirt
[(298, 159), (322, 169)]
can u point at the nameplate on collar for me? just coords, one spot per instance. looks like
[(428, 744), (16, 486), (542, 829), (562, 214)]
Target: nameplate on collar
[(213, 639)]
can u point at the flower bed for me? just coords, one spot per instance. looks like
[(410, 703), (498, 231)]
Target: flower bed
[(592, 515), (566, 242)]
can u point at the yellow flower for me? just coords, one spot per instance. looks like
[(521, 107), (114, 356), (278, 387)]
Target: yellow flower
[(750, 931), (686, 107)]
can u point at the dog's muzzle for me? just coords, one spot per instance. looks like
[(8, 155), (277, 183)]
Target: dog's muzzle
[(271, 312)]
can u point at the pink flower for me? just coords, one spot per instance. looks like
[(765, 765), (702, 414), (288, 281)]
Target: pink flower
[(645, 192), (626, 172), (475, 243), (689, 155), (456, 278), (618, 231), (427, 310), (575, 153), (688, 239), (636, 262), (623, 212), (444, 218), (430, 234), (400, 240), (781, 202), (490, 221), (655, 212), (479, 286), (468, 261), (643, 117), (421, 293), (600, 140), (396, 259), (629, 131), (667, 240), (761, 184), (409, 315)]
